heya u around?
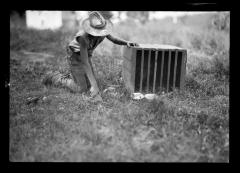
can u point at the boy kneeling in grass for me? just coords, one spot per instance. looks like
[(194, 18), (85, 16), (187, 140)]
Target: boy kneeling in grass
[(95, 28)]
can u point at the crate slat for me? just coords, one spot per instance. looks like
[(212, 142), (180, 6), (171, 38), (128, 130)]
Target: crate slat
[(168, 73), (148, 72), (141, 78), (155, 71), (175, 68), (161, 75)]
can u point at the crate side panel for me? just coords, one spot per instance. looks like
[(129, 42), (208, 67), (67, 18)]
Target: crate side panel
[(126, 69), (179, 69), (183, 71), (127, 52), (133, 69)]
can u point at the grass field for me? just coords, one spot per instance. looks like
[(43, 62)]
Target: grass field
[(187, 126)]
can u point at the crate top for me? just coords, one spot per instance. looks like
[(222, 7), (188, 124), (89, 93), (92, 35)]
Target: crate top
[(157, 46)]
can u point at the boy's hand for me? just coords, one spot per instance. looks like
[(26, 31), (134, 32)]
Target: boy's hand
[(94, 91), (131, 44), (95, 95)]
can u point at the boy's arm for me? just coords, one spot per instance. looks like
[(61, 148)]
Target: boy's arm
[(84, 58), (120, 41), (116, 40), (83, 48)]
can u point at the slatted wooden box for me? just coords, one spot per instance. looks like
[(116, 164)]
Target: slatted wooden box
[(152, 68)]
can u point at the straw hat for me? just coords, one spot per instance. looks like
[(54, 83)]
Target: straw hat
[(97, 25)]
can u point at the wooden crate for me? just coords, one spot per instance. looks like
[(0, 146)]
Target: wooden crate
[(152, 68)]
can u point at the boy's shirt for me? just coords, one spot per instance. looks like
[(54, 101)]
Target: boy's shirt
[(91, 43)]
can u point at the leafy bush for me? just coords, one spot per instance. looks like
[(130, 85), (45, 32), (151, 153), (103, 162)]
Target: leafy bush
[(221, 21)]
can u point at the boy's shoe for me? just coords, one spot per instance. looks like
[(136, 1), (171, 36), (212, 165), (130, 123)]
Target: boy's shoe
[(94, 92), (58, 79)]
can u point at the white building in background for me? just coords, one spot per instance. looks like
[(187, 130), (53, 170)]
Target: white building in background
[(44, 19)]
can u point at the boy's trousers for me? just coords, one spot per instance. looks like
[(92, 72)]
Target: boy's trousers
[(77, 81)]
